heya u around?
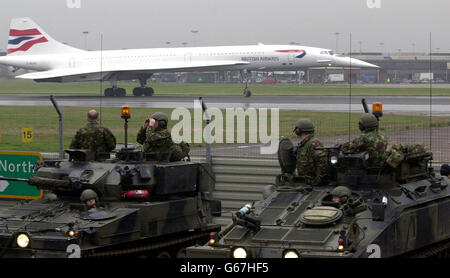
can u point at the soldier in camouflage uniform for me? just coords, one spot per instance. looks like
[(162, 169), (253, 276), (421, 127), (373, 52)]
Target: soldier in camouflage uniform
[(89, 198), (312, 164), (93, 137), (156, 138), (371, 141)]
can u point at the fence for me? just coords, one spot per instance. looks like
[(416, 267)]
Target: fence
[(17, 124)]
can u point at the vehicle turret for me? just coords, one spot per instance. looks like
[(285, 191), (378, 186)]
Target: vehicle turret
[(397, 210), (145, 205)]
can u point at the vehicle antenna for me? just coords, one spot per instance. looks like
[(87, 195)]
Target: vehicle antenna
[(101, 76), (350, 91), (431, 97)]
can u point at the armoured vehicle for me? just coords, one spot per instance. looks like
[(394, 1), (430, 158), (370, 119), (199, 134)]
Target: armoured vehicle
[(146, 206), (400, 209)]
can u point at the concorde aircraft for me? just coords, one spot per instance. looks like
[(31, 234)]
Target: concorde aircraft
[(31, 48)]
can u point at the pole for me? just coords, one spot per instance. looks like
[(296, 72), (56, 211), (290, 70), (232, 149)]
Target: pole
[(61, 127), (337, 39), (431, 97), (126, 133), (350, 92), (208, 131)]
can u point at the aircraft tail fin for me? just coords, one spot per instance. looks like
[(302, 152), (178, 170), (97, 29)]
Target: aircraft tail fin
[(27, 38)]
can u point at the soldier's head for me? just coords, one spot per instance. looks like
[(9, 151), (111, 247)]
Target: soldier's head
[(340, 194), (368, 122), (161, 119), (92, 116), (89, 197), (304, 127), (445, 170)]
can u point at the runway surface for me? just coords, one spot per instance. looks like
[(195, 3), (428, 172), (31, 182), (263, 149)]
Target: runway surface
[(413, 105)]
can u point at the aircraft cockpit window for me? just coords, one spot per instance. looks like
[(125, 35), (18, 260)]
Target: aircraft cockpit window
[(331, 52)]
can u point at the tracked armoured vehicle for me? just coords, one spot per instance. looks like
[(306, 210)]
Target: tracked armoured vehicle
[(146, 206), (401, 209)]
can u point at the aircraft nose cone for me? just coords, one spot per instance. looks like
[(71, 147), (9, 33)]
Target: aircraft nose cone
[(345, 62)]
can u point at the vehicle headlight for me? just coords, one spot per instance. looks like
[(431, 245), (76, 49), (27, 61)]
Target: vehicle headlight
[(239, 253), (23, 240), (290, 255), (333, 160)]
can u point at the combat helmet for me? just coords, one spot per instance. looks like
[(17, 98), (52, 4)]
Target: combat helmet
[(161, 118), (341, 191), (88, 194), (304, 125), (368, 122)]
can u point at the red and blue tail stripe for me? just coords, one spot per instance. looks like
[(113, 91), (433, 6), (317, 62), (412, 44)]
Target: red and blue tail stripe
[(28, 32), (28, 36), (18, 40), (27, 45), (302, 53)]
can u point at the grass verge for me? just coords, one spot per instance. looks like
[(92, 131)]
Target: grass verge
[(44, 122), (31, 87)]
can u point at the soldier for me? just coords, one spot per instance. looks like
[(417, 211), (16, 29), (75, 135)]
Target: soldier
[(312, 164), (93, 137), (89, 197), (155, 137), (340, 194), (371, 141)]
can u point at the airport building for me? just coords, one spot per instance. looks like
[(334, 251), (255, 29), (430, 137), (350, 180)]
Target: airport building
[(394, 68)]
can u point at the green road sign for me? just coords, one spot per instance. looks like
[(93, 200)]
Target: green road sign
[(18, 165)]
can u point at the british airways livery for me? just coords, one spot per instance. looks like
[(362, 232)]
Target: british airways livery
[(31, 48), (22, 40)]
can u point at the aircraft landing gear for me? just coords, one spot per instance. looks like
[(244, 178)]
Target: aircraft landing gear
[(115, 92), (245, 75), (143, 90), (247, 93)]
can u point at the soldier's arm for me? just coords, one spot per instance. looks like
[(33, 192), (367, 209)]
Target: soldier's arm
[(322, 167), (141, 136), (110, 140), (352, 146), (304, 162), (151, 140), (75, 144)]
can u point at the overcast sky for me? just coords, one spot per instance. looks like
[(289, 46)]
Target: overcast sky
[(151, 23)]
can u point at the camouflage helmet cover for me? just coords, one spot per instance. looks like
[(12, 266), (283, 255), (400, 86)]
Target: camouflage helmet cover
[(304, 125), (368, 122), (160, 117), (341, 191), (88, 194)]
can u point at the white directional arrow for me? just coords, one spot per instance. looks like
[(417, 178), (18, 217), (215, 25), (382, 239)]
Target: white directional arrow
[(3, 185)]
